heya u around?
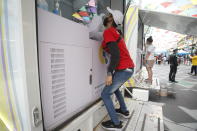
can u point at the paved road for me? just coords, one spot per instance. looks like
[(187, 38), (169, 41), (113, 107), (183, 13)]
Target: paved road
[(180, 109)]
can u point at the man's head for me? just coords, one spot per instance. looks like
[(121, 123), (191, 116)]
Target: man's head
[(175, 51), (113, 19), (149, 40), (109, 21)]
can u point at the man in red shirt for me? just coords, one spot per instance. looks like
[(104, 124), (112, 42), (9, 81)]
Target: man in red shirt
[(120, 69)]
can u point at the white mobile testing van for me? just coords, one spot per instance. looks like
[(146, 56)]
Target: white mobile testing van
[(51, 71)]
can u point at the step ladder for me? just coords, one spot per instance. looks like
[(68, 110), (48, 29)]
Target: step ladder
[(145, 116)]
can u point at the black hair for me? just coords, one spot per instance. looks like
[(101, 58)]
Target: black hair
[(150, 39), (114, 24), (175, 50), (105, 21)]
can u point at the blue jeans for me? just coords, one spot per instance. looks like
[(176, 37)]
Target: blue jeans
[(119, 79)]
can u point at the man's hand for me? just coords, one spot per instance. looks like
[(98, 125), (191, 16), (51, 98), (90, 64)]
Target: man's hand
[(108, 80)]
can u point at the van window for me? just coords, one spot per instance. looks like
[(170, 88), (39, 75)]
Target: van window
[(81, 11)]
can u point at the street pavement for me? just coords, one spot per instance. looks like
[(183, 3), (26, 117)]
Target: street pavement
[(180, 106)]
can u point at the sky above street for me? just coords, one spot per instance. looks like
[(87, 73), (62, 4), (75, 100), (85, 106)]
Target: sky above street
[(164, 39)]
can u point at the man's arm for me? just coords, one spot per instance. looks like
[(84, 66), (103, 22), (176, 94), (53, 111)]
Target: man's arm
[(175, 60), (115, 56)]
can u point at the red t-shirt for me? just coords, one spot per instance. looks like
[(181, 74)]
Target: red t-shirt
[(112, 35)]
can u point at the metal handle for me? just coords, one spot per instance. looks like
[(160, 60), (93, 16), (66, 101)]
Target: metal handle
[(90, 79), (36, 117)]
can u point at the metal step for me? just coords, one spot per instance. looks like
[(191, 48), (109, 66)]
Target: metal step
[(144, 117), (150, 119)]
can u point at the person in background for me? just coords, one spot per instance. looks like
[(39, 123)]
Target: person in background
[(159, 59), (185, 59), (156, 57), (149, 58), (120, 69), (164, 60), (179, 60), (192, 67), (168, 59), (188, 60), (194, 63), (173, 66)]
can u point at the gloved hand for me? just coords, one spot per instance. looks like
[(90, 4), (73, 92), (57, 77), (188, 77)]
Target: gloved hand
[(96, 28)]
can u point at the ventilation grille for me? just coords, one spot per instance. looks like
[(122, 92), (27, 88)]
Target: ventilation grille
[(58, 81)]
